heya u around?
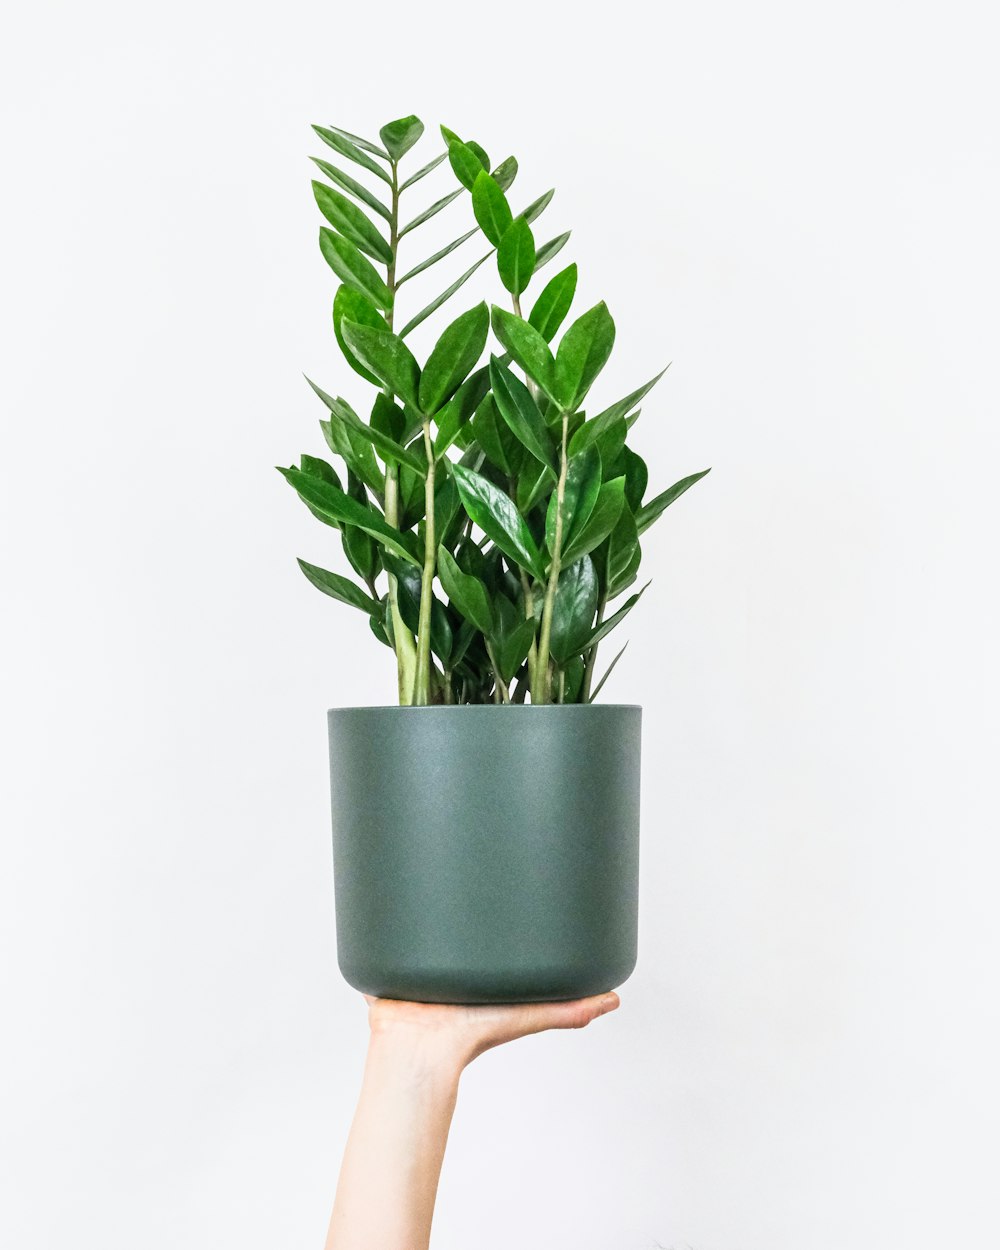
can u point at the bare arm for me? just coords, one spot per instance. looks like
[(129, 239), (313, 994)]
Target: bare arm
[(416, 1054)]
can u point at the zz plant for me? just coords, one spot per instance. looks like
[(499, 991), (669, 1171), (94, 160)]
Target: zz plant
[(490, 522)]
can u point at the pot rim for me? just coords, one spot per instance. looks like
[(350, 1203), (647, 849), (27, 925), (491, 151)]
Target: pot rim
[(505, 708)]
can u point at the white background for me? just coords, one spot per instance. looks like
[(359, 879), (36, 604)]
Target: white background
[(798, 206)]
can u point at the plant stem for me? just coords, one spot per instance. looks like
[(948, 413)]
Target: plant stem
[(422, 683), (588, 672), (403, 640), (542, 674), (500, 691)]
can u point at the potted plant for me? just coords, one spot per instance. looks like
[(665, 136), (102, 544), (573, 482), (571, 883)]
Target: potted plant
[(486, 829)]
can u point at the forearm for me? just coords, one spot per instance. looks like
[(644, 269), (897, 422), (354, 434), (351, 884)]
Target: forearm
[(388, 1179)]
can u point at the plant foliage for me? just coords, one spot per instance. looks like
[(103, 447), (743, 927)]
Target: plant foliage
[(489, 526)]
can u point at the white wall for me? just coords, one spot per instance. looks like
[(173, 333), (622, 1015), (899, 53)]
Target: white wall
[(796, 204)]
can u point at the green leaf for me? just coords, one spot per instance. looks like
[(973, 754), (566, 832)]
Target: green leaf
[(436, 303), (636, 479), (622, 553), (453, 416), (512, 638), (423, 172), (551, 307), (454, 357), (352, 268), (467, 593), (516, 256), (465, 163), (352, 223), (342, 508), (519, 410), (624, 406), (339, 141), (368, 146), (573, 610), (652, 510), (532, 490), (583, 353), (338, 587), (316, 467), (351, 305), (399, 136), (607, 509), (390, 450), (447, 508), (505, 173), (480, 151), (605, 627), (537, 207), (497, 516), (487, 428), (527, 347), (433, 260), (583, 486), (347, 442), (548, 250), (353, 188), (490, 207), (428, 213), (388, 417), (607, 673), (409, 590), (361, 549), (387, 357)]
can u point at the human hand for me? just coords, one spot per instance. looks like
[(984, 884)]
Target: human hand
[(460, 1033)]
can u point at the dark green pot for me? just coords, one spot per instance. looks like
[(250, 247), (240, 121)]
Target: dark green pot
[(486, 854)]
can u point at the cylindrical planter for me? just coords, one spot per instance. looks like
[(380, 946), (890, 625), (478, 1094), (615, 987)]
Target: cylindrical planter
[(486, 854)]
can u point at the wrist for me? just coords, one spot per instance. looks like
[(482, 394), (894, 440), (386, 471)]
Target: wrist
[(417, 1056)]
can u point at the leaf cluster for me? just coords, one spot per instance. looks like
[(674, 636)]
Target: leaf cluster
[(490, 525)]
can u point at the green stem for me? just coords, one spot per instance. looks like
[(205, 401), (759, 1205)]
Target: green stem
[(422, 684), (588, 672), (403, 640), (500, 692), (542, 674)]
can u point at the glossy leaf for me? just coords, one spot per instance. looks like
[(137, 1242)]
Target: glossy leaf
[(399, 136), (606, 626), (490, 207), (602, 520), (537, 207), (652, 510), (342, 508), (526, 346), (552, 306), (433, 260), (607, 673), (387, 357), (339, 141), (465, 163), (454, 415), (433, 211), (519, 410), (454, 357), (583, 353), (388, 448), (624, 406), (366, 144), (338, 587), (516, 256), (505, 173), (573, 610), (621, 553), (423, 171), (352, 268), (497, 516), (636, 479), (480, 151), (583, 486), (550, 249), (361, 549), (436, 303), (354, 188), (351, 305), (351, 222), (466, 592), (316, 467)]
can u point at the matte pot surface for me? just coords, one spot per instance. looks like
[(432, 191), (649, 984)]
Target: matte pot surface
[(486, 854)]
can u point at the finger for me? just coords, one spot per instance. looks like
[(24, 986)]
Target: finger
[(575, 1014)]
